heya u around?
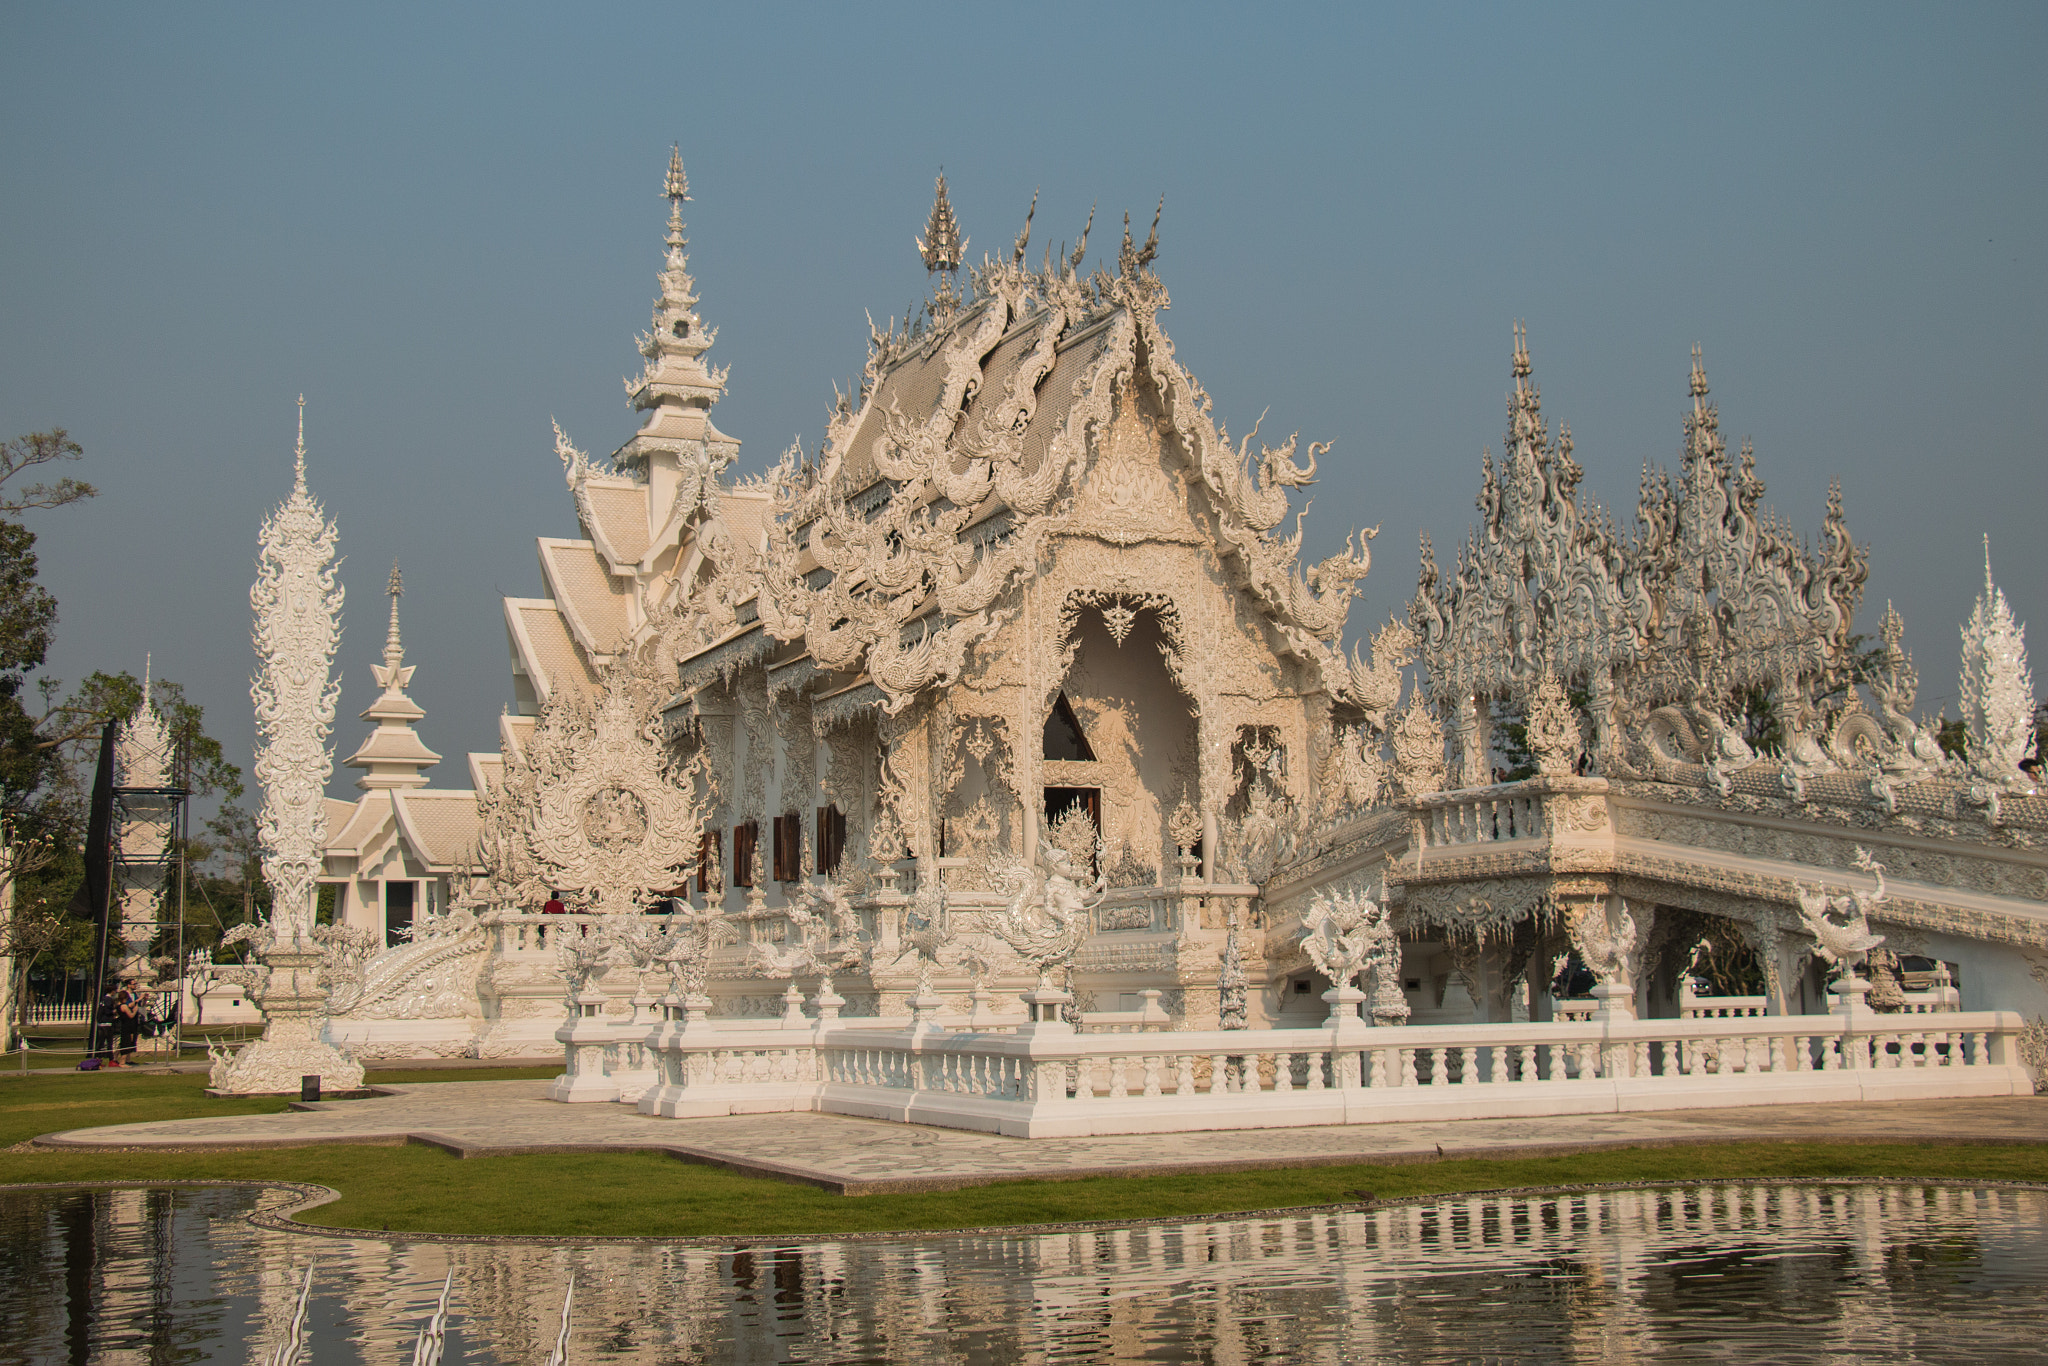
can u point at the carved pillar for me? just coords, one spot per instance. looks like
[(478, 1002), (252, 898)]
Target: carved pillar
[(850, 766), (297, 603), (1782, 954), (1609, 760), (799, 789), (752, 696)]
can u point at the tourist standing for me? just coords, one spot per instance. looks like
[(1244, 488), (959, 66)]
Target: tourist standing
[(127, 1024), (107, 1026)]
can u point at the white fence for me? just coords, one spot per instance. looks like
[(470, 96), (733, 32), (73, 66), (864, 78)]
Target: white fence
[(1048, 1080)]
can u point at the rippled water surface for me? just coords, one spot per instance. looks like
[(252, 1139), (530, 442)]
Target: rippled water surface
[(1788, 1273)]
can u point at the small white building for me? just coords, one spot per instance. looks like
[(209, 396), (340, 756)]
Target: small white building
[(402, 850)]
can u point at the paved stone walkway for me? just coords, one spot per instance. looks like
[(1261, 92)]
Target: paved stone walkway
[(860, 1157)]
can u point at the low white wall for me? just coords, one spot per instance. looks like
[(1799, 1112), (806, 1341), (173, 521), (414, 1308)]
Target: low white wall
[(1043, 1081)]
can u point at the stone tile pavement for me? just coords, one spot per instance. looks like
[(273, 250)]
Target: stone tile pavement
[(860, 1157)]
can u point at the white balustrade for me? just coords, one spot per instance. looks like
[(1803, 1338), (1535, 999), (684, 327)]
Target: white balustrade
[(1692, 1006), (1049, 1080), (1486, 818)]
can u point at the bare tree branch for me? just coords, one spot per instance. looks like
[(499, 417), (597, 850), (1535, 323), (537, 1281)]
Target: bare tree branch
[(27, 453)]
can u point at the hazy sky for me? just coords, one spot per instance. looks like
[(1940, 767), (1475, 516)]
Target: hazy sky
[(442, 225)]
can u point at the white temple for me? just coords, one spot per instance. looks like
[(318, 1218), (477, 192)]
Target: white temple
[(1010, 708), (403, 850)]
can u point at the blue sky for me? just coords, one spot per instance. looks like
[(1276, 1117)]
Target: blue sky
[(442, 225)]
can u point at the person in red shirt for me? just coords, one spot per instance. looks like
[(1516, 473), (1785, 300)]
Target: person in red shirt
[(554, 904)]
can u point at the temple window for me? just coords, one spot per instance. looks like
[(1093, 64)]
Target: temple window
[(1064, 738), (1063, 805), (398, 898), (831, 841), (789, 853)]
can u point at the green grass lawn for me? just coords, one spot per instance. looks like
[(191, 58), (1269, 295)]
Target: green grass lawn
[(411, 1189)]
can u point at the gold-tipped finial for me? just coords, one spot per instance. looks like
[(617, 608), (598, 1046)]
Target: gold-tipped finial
[(942, 246), (299, 451), (677, 187)]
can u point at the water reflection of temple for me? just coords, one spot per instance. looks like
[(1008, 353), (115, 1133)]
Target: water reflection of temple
[(148, 1276)]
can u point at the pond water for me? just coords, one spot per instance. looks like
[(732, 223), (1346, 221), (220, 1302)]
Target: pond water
[(1808, 1272)]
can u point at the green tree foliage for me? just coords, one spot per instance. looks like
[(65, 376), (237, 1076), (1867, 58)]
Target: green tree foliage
[(1516, 760), (49, 738)]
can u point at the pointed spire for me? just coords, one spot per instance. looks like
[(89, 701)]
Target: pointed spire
[(1997, 688), (942, 247), (676, 389), (142, 745), (299, 451), (1703, 444), (393, 756), (677, 186), (1527, 436), (394, 650)]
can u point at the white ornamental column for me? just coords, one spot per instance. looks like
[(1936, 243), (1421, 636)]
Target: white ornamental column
[(297, 605)]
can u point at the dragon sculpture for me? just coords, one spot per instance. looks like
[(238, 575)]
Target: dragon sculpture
[(1049, 914)]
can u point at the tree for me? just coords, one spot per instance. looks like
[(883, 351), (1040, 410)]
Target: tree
[(47, 751), (32, 452)]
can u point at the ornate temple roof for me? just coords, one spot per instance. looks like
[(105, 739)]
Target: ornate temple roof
[(1710, 578), (886, 555)]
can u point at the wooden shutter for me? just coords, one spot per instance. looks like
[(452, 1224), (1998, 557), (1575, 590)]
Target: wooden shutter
[(831, 845)]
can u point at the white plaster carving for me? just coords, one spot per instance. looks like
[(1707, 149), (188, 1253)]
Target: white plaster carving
[(297, 603), (1997, 690)]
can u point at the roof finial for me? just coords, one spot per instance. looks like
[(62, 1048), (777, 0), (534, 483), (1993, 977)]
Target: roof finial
[(1081, 247), (942, 246), (1024, 237), (1987, 565), (677, 186), (146, 661), (393, 756), (299, 451), (1130, 259), (394, 652)]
